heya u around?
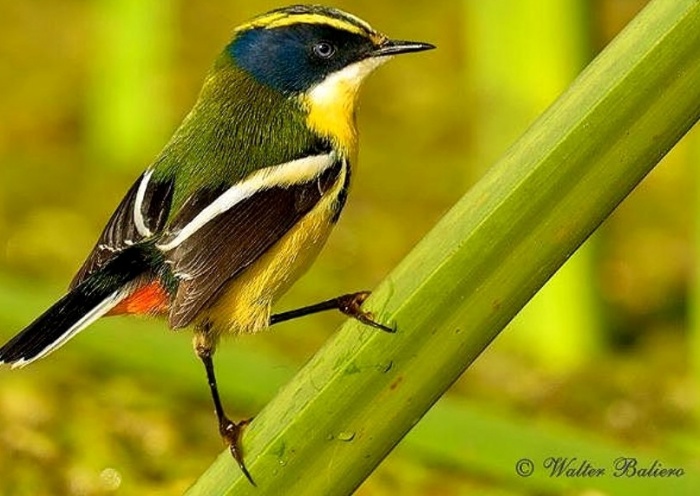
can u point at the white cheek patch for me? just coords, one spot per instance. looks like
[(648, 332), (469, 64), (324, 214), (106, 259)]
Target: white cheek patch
[(344, 83)]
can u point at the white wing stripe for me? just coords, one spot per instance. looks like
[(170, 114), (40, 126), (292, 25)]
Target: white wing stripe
[(287, 174), (105, 306), (139, 221)]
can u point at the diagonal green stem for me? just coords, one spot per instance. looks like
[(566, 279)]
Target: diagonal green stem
[(347, 408)]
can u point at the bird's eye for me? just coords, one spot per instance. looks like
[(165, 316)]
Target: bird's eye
[(324, 49)]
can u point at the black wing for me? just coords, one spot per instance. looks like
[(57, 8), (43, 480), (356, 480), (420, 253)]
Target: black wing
[(148, 197), (222, 248)]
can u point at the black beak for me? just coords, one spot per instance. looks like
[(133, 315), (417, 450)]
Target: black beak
[(396, 47)]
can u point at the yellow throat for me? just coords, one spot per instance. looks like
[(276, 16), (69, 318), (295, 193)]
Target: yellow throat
[(332, 103)]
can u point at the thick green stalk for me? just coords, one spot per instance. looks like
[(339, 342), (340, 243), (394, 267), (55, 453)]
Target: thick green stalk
[(328, 429)]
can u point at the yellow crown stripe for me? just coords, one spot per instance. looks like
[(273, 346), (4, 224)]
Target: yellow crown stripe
[(317, 19), (261, 21), (278, 20)]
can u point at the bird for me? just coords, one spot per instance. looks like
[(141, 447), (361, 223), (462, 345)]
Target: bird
[(240, 201)]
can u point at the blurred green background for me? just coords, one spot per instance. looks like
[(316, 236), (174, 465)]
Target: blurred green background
[(606, 358)]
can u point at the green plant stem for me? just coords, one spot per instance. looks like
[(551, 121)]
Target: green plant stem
[(332, 425)]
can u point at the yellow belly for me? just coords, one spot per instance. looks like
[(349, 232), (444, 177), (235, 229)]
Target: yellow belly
[(246, 302)]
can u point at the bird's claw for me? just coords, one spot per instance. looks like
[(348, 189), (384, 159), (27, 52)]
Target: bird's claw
[(351, 305), (231, 434)]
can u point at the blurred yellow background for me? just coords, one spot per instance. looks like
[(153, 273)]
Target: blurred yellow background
[(90, 91)]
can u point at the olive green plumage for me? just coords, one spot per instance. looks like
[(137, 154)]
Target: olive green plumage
[(236, 127)]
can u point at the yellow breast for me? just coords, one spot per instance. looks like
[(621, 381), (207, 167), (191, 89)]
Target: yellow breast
[(246, 302)]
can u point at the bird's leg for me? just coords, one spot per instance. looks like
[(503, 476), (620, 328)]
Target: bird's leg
[(230, 431), (349, 304)]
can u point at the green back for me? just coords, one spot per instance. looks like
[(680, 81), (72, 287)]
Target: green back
[(236, 127)]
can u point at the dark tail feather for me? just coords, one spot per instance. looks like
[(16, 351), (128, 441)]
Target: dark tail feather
[(84, 304)]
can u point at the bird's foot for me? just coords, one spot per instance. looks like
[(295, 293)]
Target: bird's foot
[(351, 305), (231, 434)]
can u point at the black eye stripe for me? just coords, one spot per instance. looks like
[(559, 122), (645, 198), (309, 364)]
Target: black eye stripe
[(294, 58)]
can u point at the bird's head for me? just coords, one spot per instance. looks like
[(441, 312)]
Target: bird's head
[(318, 55)]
